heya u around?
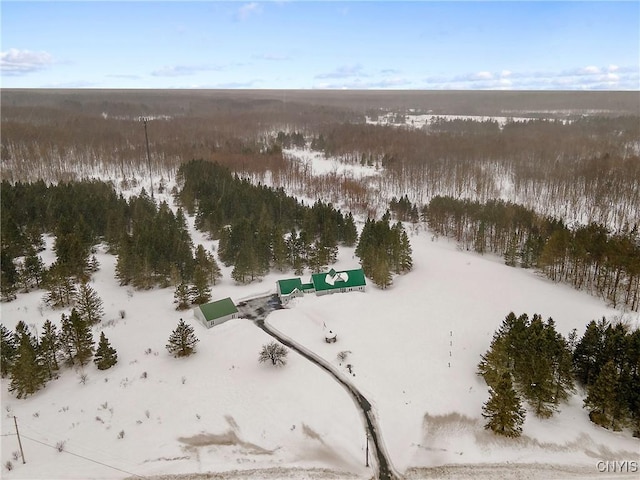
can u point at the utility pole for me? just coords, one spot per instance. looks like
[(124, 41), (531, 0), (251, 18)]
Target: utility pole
[(367, 454), (146, 137), (15, 420)]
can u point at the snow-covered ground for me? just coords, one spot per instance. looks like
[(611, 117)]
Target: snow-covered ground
[(413, 120), (413, 351)]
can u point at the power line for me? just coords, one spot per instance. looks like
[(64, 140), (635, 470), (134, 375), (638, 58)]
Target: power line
[(83, 457)]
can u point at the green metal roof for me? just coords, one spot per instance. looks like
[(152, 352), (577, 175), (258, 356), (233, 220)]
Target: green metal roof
[(289, 285), (218, 309), (307, 286), (355, 279)]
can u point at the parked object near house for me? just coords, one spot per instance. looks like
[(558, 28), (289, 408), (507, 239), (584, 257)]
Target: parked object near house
[(215, 313)]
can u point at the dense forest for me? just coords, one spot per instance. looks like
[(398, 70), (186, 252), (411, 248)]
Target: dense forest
[(259, 228), (528, 359)]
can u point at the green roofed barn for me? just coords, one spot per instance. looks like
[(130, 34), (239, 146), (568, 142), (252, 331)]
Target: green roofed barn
[(345, 281), (291, 288), (215, 313), (322, 284)]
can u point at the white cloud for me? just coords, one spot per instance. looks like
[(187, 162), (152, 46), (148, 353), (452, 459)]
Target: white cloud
[(591, 69), (344, 71), (182, 70), (21, 62), (483, 76), (247, 10), (610, 77), (271, 57)]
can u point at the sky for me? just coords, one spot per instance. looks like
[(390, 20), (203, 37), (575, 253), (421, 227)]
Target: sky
[(512, 45)]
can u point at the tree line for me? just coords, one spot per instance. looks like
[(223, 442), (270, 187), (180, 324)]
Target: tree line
[(31, 359), (384, 250), (261, 227), (583, 169), (529, 360), (589, 257), (153, 244)]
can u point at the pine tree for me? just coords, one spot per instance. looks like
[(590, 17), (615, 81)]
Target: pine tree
[(61, 289), (76, 339), (50, 347), (601, 397), (182, 296), (200, 292), (182, 341), (27, 373), (406, 262), (33, 269), (504, 410), (88, 304), (8, 350), (8, 275), (106, 356), (279, 249), (350, 233)]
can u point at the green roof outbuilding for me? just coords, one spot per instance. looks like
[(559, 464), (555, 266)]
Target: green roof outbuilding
[(215, 313)]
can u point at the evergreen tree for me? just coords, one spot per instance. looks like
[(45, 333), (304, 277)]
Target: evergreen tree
[(495, 362), (50, 347), (588, 354), (182, 341), (279, 250), (534, 374), (504, 410), (60, 288), (33, 269), (406, 262), (200, 292), (7, 350), (182, 296), (8, 275), (88, 304), (350, 233), (106, 356), (27, 373), (601, 397), (76, 339)]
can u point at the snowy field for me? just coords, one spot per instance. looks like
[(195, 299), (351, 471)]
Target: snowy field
[(413, 120), (413, 351)]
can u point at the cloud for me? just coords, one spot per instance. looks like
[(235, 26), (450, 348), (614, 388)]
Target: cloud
[(611, 77), (124, 75), (183, 70), (271, 57), (358, 84), (345, 71), (22, 62), (248, 9)]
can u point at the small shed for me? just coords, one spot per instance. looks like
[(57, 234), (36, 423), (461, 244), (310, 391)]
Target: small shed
[(215, 313)]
